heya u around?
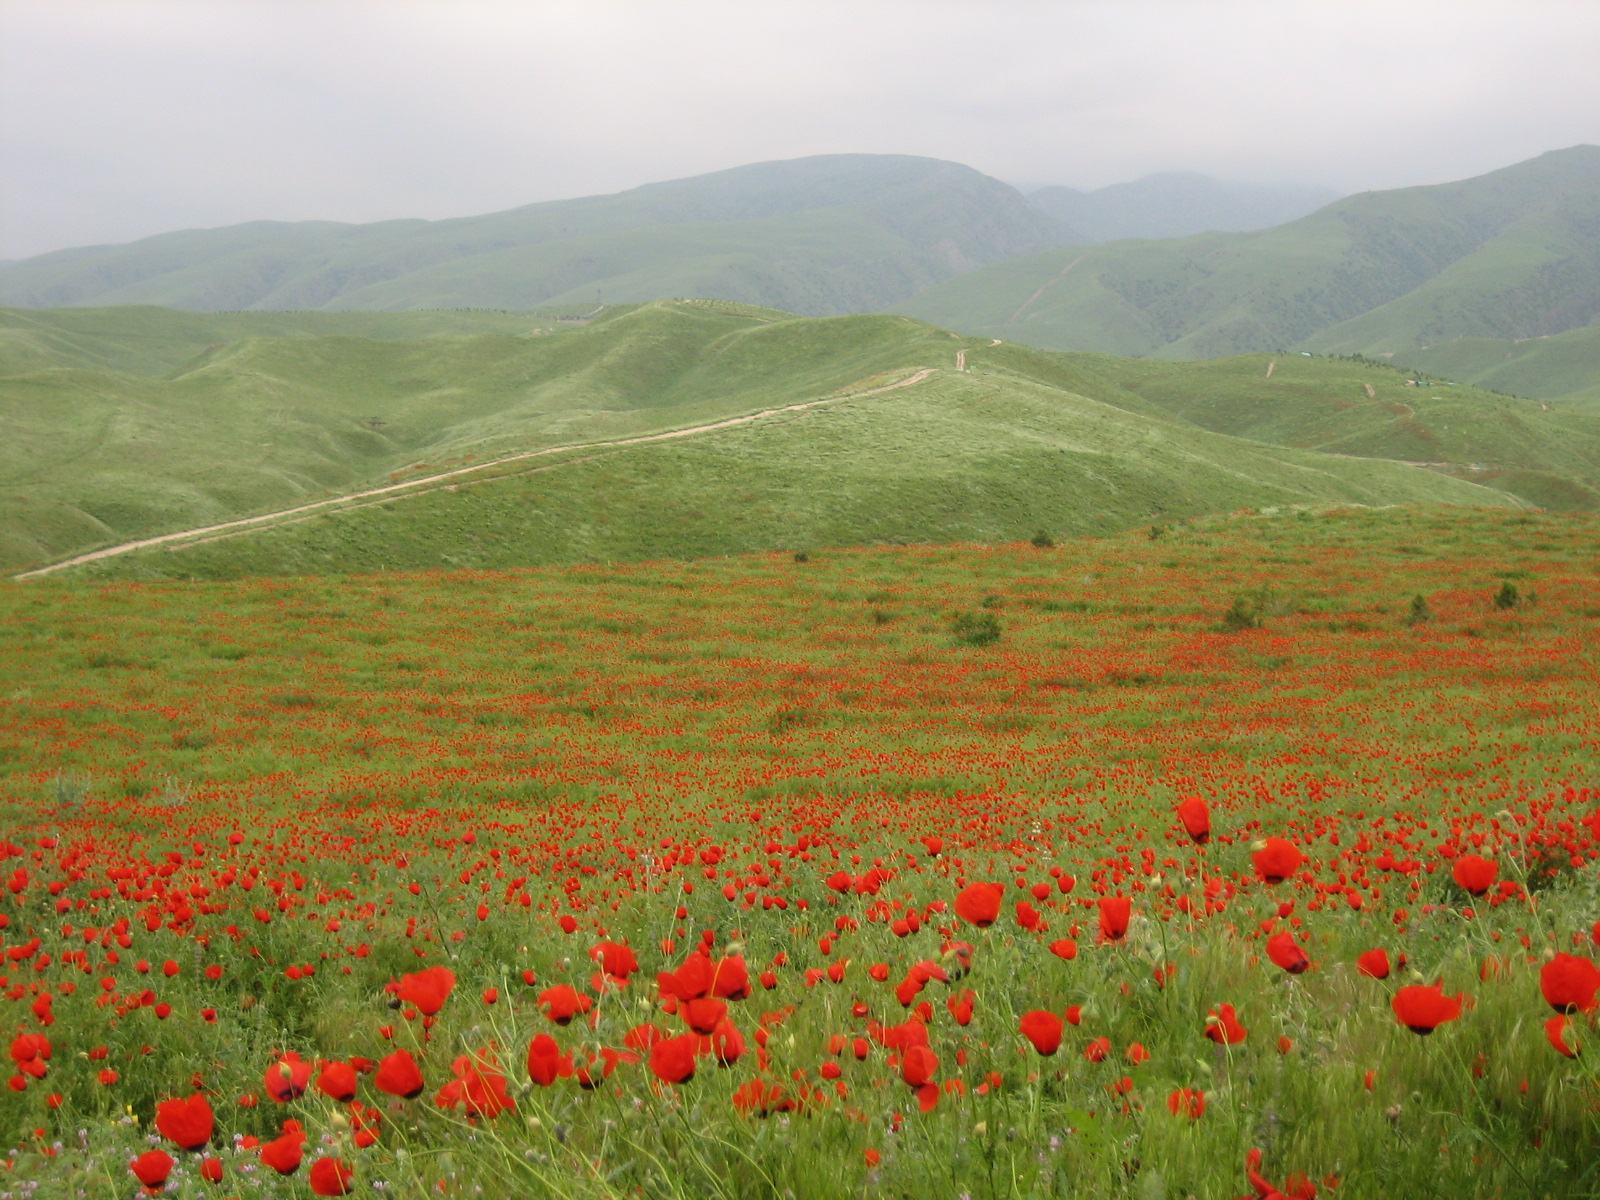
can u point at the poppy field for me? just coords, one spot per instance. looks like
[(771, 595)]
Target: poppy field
[(1250, 856)]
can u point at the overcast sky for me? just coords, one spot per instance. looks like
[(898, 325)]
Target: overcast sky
[(120, 118)]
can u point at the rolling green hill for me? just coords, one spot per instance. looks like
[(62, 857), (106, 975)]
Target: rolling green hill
[(1561, 365), (903, 446), (830, 234), (1547, 454), (1511, 254)]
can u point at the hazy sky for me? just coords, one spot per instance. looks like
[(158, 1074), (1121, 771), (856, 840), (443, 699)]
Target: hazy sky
[(120, 118)]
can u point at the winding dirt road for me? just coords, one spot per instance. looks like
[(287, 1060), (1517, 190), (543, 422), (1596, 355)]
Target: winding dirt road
[(431, 483)]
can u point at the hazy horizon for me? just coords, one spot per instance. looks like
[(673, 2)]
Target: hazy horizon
[(119, 120)]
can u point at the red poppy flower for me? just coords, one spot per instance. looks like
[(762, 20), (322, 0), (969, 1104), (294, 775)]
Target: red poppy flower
[(1186, 1103), (703, 1014), (331, 1177), (1424, 1009), (1195, 814), (211, 1170), (1115, 912), (152, 1168), (1043, 1029), (337, 1081), (616, 959), (917, 1065), (546, 1063), (1064, 948), (672, 1059), (399, 1075), (1474, 874), (1222, 1026), (1098, 1050), (1569, 983), (1285, 952), (1276, 859), (979, 904), (561, 1003), (188, 1123), (427, 990), (284, 1153), (1555, 1032), (288, 1078), (479, 1087), (1374, 964)]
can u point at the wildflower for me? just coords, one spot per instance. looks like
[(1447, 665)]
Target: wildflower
[(288, 1078), (1374, 964), (399, 1075), (151, 1169), (1424, 1009), (427, 990), (1115, 912), (1196, 817), (331, 1177), (546, 1063), (337, 1082), (1474, 874), (1276, 859), (1285, 952), (1222, 1026), (561, 1003), (285, 1152), (1569, 983), (979, 904), (187, 1123), (1555, 1032), (1186, 1103), (672, 1059), (1043, 1029)]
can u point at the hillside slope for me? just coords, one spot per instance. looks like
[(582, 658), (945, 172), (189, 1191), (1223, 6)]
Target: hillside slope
[(895, 441), (830, 234), (1511, 254)]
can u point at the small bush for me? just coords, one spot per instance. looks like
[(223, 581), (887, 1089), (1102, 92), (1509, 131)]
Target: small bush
[(1043, 540), (800, 556), (1246, 612), (1420, 613), (976, 629), (1508, 596)]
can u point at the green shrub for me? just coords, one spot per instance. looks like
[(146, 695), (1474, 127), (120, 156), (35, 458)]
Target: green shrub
[(1508, 596), (976, 628), (1420, 613)]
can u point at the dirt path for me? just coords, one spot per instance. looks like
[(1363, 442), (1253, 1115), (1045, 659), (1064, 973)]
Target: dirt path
[(431, 483), (1044, 285)]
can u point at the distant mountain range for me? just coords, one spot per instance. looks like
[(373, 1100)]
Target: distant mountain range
[(1513, 254), (1494, 280), (824, 235), (1174, 204)]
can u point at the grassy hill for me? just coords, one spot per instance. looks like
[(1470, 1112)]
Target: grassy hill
[(1561, 365), (1547, 454), (1511, 254), (830, 234), (1020, 442)]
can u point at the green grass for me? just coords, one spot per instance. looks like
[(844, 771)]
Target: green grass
[(830, 234), (1511, 254)]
